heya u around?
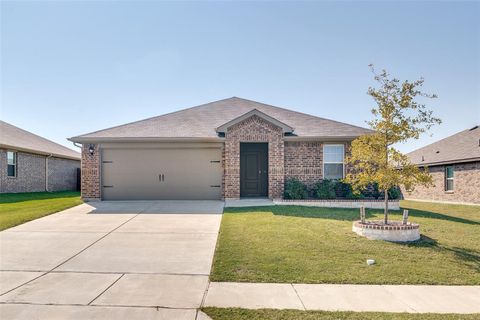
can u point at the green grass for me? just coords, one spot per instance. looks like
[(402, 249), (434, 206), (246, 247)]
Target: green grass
[(18, 208), (316, 245), (268, 314)]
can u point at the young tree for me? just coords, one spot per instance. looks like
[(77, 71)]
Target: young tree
[(398, 117)]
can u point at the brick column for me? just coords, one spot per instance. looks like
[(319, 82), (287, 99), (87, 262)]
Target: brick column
[(91, 173)]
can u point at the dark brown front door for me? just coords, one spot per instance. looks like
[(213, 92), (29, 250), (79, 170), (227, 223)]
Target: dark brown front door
[(254, 169)]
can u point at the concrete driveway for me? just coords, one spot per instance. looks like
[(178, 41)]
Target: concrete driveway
[(132, 260)]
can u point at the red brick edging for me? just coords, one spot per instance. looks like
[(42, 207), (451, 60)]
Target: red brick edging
[(380, 226)]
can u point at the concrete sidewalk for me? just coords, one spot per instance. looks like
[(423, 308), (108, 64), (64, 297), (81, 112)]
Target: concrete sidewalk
[(333, 297)]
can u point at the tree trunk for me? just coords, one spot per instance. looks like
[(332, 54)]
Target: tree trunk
[(385, 211)]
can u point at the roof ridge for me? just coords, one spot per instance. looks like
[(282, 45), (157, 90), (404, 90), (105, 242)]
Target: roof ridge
[(38, 136)]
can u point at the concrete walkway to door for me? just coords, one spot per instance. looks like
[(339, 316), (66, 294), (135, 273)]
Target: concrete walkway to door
[(110, 260)]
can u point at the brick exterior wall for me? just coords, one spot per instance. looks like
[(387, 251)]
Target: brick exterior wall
[(91, 174), (466, 185), (254, 129), (62, 174), (304, 160), (31, 173)]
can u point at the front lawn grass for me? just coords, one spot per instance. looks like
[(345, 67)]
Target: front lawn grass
[(18, 208), (269, 314), (296, 244)]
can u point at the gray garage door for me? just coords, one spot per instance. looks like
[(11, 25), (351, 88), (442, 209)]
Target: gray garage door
[(171, 174)]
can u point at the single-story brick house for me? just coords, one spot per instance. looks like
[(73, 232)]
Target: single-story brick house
[(454, 163), (30, 163), (226, 149)]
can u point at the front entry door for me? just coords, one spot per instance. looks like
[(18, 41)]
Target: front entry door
[(254, 169)]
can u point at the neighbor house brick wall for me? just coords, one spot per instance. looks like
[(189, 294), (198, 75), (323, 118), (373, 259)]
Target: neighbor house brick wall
[(31, 173), (62, 174), (466, 185), (254, 129), (91, 173)]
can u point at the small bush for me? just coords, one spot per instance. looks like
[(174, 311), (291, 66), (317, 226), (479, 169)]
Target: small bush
[(324, 189), (371, 192), (394, 193), (295, 189)]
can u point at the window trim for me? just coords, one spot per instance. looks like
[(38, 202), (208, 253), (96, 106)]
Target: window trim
[(447, 178), (15, 164), (343, 161)]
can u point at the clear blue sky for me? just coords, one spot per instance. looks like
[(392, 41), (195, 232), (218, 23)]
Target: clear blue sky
[(73, 67)]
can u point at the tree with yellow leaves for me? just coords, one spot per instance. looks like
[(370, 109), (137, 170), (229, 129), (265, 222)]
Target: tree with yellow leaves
[(398, 117)]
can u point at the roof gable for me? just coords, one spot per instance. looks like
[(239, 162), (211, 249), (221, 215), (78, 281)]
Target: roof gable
[(285, 127), (12, 137)]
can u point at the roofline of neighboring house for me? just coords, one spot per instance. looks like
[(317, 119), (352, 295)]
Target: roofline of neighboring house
[(43, 153), (84, 140), (440, 163)]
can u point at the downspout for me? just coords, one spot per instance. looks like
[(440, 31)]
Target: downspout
[(46, 172)]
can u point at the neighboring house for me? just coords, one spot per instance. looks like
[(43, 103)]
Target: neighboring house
[(454, 163), (227, 149), (30, 163)]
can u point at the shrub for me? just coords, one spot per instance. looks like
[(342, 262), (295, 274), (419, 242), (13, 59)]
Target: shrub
[(324, 189), (359, 195), (295, 189), (343, 190), (394, 193), (371, 192)]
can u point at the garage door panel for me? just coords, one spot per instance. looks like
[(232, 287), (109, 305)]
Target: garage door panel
[(144, 174)]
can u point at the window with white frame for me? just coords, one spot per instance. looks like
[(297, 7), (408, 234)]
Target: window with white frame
[(333, 161), (11, 164), (449, 178)]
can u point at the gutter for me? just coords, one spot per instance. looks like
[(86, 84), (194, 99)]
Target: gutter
[(320, 138), (83, 140), (144, 139), (440, 163), (27, 150)]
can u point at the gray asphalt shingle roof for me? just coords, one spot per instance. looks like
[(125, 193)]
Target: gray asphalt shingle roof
[(201, 122), (459, 147), (15, 138)]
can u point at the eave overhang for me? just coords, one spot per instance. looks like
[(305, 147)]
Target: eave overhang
[(84, 140), (43, 153), (320, 138), (447, 162)]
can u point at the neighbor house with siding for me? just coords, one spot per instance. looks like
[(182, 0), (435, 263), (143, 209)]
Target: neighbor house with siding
[(454, 163), (30, 163), (228, 149)]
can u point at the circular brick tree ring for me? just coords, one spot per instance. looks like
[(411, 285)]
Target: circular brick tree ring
[(394, 231)]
